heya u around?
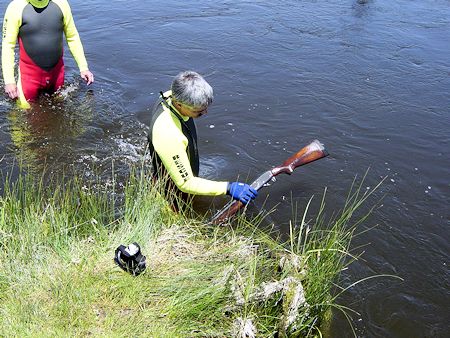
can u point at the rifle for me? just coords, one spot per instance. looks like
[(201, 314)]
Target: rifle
[(312, 152)]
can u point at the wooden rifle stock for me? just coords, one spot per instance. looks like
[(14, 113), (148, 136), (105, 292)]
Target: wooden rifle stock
[(312, 152)]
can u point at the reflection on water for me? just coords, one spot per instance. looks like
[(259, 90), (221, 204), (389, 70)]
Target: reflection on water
[(46, 131), (370, 79), (76, 128)]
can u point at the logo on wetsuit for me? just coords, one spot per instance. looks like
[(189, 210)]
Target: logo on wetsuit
[(4, 28), (180, 167)]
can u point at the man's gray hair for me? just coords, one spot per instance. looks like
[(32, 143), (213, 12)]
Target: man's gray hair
[(192, 89)]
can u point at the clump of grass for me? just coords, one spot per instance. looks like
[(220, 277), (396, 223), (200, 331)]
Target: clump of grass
[(323, 249), (57, 276)]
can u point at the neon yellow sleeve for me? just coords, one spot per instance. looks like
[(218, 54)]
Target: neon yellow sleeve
[(11, 25), (170, 144), (72, 36)]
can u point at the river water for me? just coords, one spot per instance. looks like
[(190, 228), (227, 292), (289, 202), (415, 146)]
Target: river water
[(370, 79)]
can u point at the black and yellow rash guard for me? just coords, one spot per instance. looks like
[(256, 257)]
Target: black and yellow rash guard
[(39, 31), (173, 141)]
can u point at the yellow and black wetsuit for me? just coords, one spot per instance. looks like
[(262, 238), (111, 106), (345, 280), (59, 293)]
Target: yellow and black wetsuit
[(40, 35), (173, 146)]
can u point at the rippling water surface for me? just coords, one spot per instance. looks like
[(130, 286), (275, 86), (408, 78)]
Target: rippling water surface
[(370, 79)]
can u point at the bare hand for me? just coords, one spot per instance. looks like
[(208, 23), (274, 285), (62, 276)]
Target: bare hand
[(11, 90), (87, 76)]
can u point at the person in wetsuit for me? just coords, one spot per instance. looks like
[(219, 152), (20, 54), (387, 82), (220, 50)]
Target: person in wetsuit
[(173, 141), (39, 25)]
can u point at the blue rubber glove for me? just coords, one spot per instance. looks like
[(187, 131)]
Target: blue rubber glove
[(241, 192)]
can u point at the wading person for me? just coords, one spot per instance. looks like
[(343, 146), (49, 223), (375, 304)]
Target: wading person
[(173, 141), (39, 25)]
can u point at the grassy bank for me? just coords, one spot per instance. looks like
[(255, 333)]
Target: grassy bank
[(57, 276)]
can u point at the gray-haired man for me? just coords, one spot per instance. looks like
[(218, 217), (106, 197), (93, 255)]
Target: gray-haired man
[(173, 139)]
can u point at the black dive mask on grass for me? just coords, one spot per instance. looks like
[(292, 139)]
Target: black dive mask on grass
[(130, 259)]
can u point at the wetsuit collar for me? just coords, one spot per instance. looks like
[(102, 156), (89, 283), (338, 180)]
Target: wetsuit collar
[(39, 3), (167, 98)]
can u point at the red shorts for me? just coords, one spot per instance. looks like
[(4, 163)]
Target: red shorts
[(35, 80)]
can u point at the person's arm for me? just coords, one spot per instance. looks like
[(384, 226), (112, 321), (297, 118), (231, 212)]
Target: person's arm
[(171, 144), (11, 25), (74, 41)]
